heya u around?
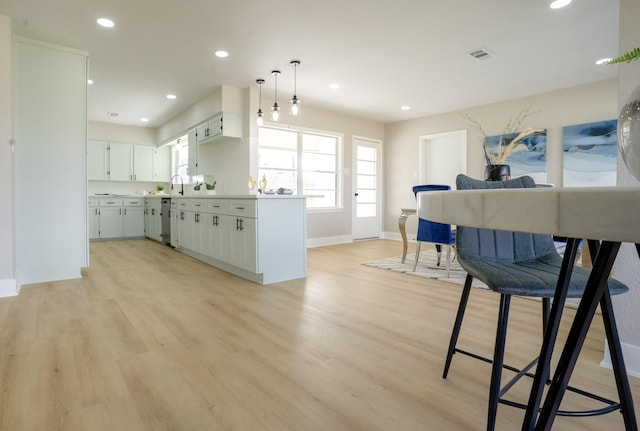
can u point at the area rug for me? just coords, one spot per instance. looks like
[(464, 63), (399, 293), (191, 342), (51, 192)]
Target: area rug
[(427, 267)]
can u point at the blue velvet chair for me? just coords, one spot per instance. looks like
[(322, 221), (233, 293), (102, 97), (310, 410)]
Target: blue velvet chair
[(438, 233), (514, 263)]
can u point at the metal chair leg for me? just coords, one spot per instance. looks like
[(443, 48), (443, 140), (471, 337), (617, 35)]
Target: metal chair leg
[(464, 298), (617, 362), (498, 360), (415, 262), (448, 260)]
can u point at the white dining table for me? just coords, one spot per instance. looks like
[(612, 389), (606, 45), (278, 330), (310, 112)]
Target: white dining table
[(608, 216)]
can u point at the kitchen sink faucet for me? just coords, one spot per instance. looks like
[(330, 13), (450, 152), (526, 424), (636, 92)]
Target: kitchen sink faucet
[(181, 184)]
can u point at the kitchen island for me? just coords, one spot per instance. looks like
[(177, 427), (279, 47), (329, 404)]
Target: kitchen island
[(260, 238)]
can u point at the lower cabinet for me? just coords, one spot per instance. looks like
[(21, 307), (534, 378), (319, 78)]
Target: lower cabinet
[(242, 243), (133, 218), (111, 218), (153, 219), (262, 239)]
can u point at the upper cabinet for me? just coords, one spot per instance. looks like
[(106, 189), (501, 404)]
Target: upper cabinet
[(120, 162), (98, 160), (162, 164), (116, 161), (222, 125)]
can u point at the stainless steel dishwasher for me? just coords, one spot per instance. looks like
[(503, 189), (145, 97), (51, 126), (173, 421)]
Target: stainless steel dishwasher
[(165, 214)]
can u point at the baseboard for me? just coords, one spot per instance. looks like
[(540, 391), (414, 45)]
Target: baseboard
[(330, 240), (631, 356), (8, 287), (396, 236)]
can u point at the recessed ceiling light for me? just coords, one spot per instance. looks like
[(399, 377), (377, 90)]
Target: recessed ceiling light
[(603, 60), (334, 86), (105, 22), (557, 4), (89, 81), (171, 96), (405, 108), (144, 120), (222, 54)]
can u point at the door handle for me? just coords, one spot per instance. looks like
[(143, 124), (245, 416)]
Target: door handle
[(356, 194)]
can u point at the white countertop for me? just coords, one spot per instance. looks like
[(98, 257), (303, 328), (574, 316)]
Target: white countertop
[(276, 196), (604, 213)]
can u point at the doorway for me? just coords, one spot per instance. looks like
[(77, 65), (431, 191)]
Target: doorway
[(367, 213), (442, 156)]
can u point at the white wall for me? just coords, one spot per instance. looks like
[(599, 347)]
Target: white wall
[(119, 133), (560, 108), (50, 134), (7, 239)]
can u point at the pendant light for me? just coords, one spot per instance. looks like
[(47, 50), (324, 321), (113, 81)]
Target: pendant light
[(295, 102), (275, 115), (260, 118)]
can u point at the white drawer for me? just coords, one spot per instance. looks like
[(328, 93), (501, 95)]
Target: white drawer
[(182, 203), (245, 207), (218, 206), (197, 205), (94, 203), (134, 202), (110, 202)]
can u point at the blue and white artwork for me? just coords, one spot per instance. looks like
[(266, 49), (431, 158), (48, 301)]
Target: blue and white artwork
[(590, 154), (532, 162)]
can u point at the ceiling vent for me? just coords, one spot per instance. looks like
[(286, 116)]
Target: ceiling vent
[(480, 54)]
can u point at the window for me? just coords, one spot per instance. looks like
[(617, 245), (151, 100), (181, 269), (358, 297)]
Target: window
[(180, 160), (305, 162)]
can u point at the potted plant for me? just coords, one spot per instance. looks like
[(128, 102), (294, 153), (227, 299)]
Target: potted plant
[(510, 142), (634, 54), (159, 188), (211, 188)]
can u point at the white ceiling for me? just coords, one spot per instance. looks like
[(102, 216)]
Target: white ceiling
[(383, 53)]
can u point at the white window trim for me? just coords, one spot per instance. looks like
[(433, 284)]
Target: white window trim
[(339, 162)]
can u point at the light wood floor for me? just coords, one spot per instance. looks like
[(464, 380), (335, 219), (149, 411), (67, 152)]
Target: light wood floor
[(151, 339)]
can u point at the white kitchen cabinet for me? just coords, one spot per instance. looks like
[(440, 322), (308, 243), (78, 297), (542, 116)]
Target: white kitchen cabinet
[(261, 239), (219, 229), (120, 162), (224, 124), (242, 234), (242, 243), (174, 222), (94, 219), (133, 217), (202, 132), (162, 164), (117, 161), (98, 160), (153, 219), (111, 222), (143, 156), (111, 218), (193, 153)]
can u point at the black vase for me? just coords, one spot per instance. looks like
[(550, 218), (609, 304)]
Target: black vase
[(497, 172)]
